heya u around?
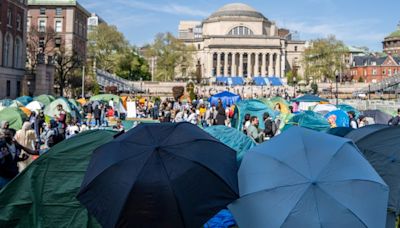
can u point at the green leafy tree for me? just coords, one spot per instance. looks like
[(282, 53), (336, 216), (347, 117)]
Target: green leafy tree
[(131, 66), (172, 54), (323, 60)]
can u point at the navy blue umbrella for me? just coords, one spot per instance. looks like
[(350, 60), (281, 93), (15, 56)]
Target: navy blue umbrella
[(160, 175)]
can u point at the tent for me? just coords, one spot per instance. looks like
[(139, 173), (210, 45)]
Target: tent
[(261, 81), (6, 102), (252, 107), (105, 97), (44, 99), (227, 98), (346, 108), (324, 108), (26, 111), (304, 178), (275, 81), (309, 98), (34, 106), (24, 100), (15, 116), (43, 195), (271, 103), (82, 101), (379, 116), (339, 131), (309, 119), (51, 109), (76, 104), (342, 119), (233, 138)]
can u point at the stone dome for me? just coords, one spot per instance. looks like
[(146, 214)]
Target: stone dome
[(237, 10)]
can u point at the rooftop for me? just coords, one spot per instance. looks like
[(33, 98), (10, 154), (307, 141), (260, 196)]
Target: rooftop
[(237, 10)]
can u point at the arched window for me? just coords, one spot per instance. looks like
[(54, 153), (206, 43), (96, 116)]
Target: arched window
[(7, 52), (240, 31), (18, 53), (1, 48)]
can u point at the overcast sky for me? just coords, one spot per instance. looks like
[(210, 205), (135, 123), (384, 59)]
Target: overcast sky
[(356, 22)]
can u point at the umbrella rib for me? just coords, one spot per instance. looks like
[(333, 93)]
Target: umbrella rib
[(275, 188), (172, 189)]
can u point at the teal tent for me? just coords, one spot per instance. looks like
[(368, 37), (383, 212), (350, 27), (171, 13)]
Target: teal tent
[(43, 195), (15, 117), (309, 119), (51, 109), (346, 108), (44, 99), (309, 98), (233, 138), (252, 107), (25, 100)]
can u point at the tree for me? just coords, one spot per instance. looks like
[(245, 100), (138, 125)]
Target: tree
[(171, 54), (65, 64), (105, 45), (323, 60), (131, 66)]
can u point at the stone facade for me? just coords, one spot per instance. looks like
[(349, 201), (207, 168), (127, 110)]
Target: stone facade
[(12, 47), (237, 40)]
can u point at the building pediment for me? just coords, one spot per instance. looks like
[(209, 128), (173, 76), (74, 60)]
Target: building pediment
[(390, 61)]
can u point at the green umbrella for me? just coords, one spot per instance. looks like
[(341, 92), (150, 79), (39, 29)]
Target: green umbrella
[(45, 99), (14, 116), (43, 195)]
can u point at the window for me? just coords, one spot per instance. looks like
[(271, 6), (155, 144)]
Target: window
[(42, 11), (240, 31), (42, 26), (41, 42), (8, 89), (19, 22), (18, 88), (383, 72), (9, 17), (58, 26), (295, 48), (390, 72), (374, 72), (58, 42), (18, 53), (58, 11), (7, 51)]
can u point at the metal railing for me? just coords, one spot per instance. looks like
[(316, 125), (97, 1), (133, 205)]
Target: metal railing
[(106, 79), (387, 84)]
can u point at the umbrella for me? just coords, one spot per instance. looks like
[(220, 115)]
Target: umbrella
[(379, 116), (339, 131), (342, 119), (24, 100), (34, 106), (309, 119), (316, 180), (43, 195), (233, 138), (160, 175), (380, 146)]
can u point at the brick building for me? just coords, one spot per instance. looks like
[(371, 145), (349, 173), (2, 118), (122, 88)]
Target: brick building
[(374, 69), (12, 47), (66, 18)]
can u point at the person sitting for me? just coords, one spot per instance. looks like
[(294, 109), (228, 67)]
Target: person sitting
[(252, 130), (119, 126)]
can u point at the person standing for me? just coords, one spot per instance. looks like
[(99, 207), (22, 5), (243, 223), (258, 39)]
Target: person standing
[(111, 103), (269, 124), (221, 115), (26, 137), (97, 115), (61, 119), (352, 122), (252, 130), (395, 121)]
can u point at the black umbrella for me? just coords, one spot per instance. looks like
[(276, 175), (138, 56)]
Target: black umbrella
[(160, 175), (378, 116)]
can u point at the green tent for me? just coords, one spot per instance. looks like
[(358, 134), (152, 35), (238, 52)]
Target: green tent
[(14, 116), (43, 195), (271, 102), (309, 119), (105, 97), (233, 138), (44, 99), (51, 109), (77, 105), (252, 107)]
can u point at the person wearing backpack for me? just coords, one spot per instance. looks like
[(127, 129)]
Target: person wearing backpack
[(395, 121), (270, 126), (52, 135)]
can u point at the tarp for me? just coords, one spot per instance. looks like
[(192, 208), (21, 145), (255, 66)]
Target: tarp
[(105, 97), (43, 195), (252, 107), (227, 98), (275, 81), (25, 100), (309, 119), (14, 116), (44, 99), (342, 119), (261, 81), (233, 138), (309, 98)]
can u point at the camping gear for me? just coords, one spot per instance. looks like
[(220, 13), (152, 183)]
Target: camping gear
[(339, 131), (252, 107), (44, 99), (24, 100), (164, 175), (380, 145), (227, 99), (35, 106), (43, 195), (15, 117), (233, 138), (51, 109), (309, 119), (324, 108), (105, 97), (82, 101), (346, 108), (379, 116), (304, 178), (342, 119)]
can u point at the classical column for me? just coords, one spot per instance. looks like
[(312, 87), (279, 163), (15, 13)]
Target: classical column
[(218, 64), (257, 65), (210, 66), (270, 62), (249, 74), (278, 65), (233, 65), (263, 64), (241, 64), (226, 58)]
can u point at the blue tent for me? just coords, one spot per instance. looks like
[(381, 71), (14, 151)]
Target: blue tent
[(275, 81), (237, 81), (309, 98), (226, 97), (305, 178), (309, 119), (25, 100), (342, 119), (346, 108), (223, 80), (261, 81), (252, 107), (339, 131), (233, 138)]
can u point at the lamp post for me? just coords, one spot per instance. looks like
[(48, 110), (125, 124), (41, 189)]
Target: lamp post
[(337, 90), (294, 86), (83, 82)]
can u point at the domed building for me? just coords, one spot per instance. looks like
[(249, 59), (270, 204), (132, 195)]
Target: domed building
[(238, 41), (391, 44)]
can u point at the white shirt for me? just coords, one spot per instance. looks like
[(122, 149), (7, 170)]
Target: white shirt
[(111, 104)]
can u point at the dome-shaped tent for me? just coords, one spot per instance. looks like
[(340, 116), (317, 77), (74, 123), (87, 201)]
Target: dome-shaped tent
[(15, 117), (252, 107)]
